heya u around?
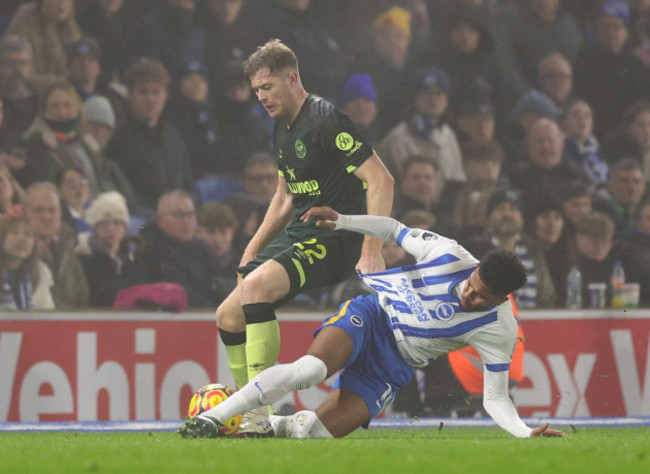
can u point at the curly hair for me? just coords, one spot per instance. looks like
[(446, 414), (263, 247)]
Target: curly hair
[(502, 272)]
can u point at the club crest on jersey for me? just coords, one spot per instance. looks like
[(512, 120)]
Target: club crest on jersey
[(444, 312), (356, 320), (301, 149)]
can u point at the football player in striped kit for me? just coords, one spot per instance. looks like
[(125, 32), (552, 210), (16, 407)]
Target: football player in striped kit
[(445, 301)]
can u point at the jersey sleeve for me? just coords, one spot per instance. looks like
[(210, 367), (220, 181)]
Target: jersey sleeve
[(340, 138), (424, 245)]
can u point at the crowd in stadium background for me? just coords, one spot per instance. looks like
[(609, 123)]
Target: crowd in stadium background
[(133, 151)]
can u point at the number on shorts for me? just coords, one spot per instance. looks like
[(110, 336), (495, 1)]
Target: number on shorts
[(318, 252)]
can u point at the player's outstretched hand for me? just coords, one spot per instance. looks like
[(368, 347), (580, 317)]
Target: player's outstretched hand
[(545, 431), (329, 216)]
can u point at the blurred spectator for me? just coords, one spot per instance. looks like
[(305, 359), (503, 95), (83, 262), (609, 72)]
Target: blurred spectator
[(25, 280), (506, 230), (425, 131), (607, 74), (249, 216), (217, 225), (231, 33), (482, 164), (97, 129), (11, 194), (530, 107), (419, 189), (171, 35), (624, 192), (633, 247), (632, 137), (148, 148), (17, 88), (387, 65), (555, 78), (323, 66), (54, 141), (172, 253), (640, 29), (581, 148), (75, 197), (99, 120), (359, 101), (83, 66), (107, 21), (260, 180), (56, 243), (191, 111), (475, 119), (546, 169), (244, 125), (111, 260), (534, 28), (48, 25), (545, 223), (594, 256), (576, 201), (466, 51)]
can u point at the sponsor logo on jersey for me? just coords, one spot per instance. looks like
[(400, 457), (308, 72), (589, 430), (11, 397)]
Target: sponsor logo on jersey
[(416, 233), (413, 301), (344, 141), (310, 187), (301, 149), (357, 145), (292, 173), (356, 320)]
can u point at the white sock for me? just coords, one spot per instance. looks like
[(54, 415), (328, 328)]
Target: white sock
[(270, 386), (304, 424)]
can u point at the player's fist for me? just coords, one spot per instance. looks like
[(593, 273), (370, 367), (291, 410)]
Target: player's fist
[(327, 215)]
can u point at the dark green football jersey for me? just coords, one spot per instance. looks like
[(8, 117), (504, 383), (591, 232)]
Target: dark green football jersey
[(317, 156)]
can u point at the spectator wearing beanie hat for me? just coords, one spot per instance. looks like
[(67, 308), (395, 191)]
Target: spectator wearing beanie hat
[(359, 101), (83, 63), (111, 260), (506, 230), (425, 131), (99, 119)]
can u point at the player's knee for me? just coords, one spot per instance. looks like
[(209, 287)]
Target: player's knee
[(229, 318), (311, 371)]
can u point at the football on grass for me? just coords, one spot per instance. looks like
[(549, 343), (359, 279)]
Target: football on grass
[(210, 396)]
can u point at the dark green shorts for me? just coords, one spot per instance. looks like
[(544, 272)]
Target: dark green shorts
[(311, 257)]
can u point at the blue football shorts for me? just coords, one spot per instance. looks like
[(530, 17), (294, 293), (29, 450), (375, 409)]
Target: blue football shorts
[(375, 370)]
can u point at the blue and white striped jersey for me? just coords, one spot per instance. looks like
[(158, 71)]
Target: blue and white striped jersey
[(423, 304)]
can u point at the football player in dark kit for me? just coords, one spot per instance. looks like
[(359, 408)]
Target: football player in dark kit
[(322, 162)]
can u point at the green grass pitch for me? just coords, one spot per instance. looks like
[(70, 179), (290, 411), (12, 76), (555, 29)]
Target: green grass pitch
[(448, 450)]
